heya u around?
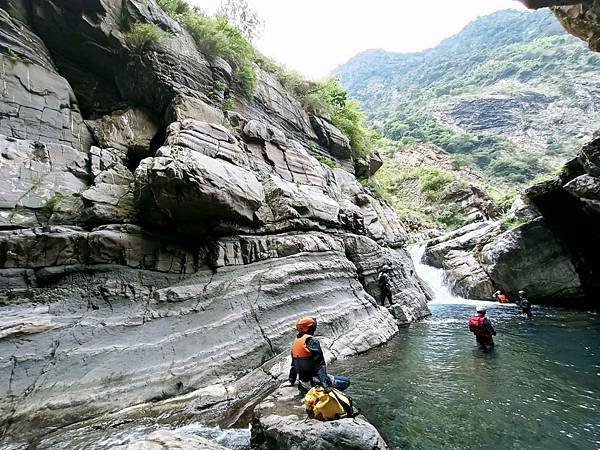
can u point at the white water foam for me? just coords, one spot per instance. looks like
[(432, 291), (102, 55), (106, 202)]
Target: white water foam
[(436, 279)]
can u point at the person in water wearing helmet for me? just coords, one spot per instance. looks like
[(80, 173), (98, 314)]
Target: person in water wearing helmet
[(383, 281), (482, 328), (525, 304), (502, 298), (308, 361)]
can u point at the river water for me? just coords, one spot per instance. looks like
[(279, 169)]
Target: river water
[(433, 388)]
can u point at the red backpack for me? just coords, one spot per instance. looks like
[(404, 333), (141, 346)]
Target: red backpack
[(476, 325)]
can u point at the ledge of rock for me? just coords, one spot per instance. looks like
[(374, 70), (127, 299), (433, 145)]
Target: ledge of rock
[(281, 423)]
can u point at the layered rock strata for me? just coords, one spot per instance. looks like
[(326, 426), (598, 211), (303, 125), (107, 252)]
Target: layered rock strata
[(155, 262), (552, 253)]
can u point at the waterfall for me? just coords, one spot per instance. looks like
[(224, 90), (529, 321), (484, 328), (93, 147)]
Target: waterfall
[(434, 278)]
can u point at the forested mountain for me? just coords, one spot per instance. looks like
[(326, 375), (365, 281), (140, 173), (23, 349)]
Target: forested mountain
[(512, 94)]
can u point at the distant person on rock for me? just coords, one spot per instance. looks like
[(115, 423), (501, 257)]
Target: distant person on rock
[(500, 296), (483, 329), (524, 304), (478, 217), (383, 281), (308, 361)]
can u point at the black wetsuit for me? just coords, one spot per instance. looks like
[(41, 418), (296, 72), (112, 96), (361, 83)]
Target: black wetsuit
[(525, 307), (384, 286), (313, 370)]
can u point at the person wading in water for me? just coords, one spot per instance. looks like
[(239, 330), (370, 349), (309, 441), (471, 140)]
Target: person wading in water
[(483, 329), (308, 361), (524, 304), (500, 296)]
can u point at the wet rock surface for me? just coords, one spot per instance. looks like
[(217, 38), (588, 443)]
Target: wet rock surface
[(551, 251), (168, 440), (155, 265), (281, 422)]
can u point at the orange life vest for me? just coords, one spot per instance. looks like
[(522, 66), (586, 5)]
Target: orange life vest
[(299, 349), (502, 298)]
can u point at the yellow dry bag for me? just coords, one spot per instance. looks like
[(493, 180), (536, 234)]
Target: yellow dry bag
[(321, 405)]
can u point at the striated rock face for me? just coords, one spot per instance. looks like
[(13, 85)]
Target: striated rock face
[(159, 271), (531, 258), (553, 254), (281, 422), (457, 254)]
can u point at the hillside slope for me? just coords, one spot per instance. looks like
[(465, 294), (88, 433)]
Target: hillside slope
[(512, 94)]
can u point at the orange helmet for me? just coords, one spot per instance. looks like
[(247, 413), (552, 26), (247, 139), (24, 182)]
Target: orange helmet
[(306, 324)]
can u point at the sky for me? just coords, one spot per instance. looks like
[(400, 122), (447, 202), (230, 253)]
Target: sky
[(315, 36)]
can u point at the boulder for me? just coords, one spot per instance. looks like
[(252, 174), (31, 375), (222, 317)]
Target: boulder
[(281, 423), (332, 138), (129, 131), (530, 257), (409, 295), (589, 157), (111, 198), (584, 187), (465, 238), (466, 276), (581, 19), (185, 107), (193, 190)]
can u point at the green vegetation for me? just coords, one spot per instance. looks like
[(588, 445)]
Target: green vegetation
[(13, 55), (505, 65), (421, 196), (328, 162), (227, 104), (52, 202), (36, 181), (217, 36), (508, 223), (214, 36), (174, 8), (143, 35)]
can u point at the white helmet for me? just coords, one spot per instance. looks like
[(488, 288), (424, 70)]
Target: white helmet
[(480, 309)]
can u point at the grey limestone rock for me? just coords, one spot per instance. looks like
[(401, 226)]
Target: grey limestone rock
[(37, 103), (530, 257), (408, 294), (130, 131), (281, 422), (333, 139), (111, 197), (170, 440), (37, 179)]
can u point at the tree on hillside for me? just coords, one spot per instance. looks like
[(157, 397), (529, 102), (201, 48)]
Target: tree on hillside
[(243, 17)]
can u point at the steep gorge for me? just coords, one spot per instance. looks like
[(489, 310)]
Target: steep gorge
[(156, 250)]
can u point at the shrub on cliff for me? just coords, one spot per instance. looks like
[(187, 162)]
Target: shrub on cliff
[(144, 34), (174, 7), (215, 36)]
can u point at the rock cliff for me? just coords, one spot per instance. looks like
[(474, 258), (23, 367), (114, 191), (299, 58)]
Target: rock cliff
[(155, 250), (552, 252)]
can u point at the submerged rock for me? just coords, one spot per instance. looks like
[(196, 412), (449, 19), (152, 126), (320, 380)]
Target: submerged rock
[(281, 422)]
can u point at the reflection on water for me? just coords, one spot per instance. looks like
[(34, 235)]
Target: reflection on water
[(433, 388)]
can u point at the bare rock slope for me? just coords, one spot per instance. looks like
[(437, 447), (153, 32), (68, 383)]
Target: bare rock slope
[(156, 259)]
